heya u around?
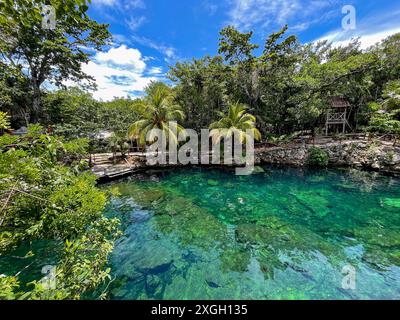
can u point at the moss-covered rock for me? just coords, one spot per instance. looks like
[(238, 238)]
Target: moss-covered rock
[(235, 259), (384, 238), (174, 206), (212, 182), (315, 201), (269, 261), (191, 224), (145, 197), (253, 234)]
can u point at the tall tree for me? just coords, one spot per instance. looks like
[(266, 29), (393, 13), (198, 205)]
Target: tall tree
[(201, 89), (237, 50), (15, 96), (47, 54)]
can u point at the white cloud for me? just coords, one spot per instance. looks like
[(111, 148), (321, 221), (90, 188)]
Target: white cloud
[(113, 82), (104, 2), (300, 15), (370, 30), (260, 14), (122, 57), (120, 72), (155, 71), (136, 4), (210, 7), (339, 38), (135, 22), (120, 38), (121, 4), (168, 51)]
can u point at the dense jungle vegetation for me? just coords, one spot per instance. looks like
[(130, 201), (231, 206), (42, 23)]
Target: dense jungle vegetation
[(46, 191)]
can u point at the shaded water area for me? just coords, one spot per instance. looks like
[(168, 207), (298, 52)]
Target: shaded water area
[(278, 234)]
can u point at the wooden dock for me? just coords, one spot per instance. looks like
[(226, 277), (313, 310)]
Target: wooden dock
[(106, 167)]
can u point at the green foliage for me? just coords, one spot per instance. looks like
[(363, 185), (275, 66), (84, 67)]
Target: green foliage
[(71, 112), (74, 113), (44, 199), (384, 123), (117, 143), (4, 121), (52, 55), (201, 90), (385, 116), (236, 46), (8, 286), (288, 86), (317, 157), (14, 93)]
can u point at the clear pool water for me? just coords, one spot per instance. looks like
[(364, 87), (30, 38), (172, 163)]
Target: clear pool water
[(277, 234)]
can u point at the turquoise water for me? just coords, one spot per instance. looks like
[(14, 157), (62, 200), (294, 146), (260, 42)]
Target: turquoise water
[(277, 234)]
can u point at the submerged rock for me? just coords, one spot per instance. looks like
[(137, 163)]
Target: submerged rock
[(174, 206), (139, 216), (265, 233), (316, 179), (154, 285), (119, 293), (278, 236), (143, 256), (145, 197), (269, 261), (384, 238), (346, 187), (253, 234), (317, 202), (149, 197), (191, 224), (229, 185), (235, 259), (157, 261), (212, 183)]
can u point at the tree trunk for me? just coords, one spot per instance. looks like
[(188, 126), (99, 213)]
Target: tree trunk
[(36, 101), (36, 105)]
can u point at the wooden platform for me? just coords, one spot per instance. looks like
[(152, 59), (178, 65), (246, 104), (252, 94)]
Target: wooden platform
[(105, 167)]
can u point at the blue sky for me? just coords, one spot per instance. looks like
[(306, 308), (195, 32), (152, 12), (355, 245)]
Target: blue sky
[(150, 35)]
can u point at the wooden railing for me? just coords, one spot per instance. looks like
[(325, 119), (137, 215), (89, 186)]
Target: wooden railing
[(336, 117)]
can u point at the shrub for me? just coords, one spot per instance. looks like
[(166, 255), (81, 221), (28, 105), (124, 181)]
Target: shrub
[(318, 157), (4, 121), (42, 199)]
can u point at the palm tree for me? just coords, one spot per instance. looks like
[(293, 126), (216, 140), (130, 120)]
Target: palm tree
[(117, 142), (156, 111), (236, 122)]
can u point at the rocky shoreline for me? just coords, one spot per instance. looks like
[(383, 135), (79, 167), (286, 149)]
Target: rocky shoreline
[(377, 156)]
